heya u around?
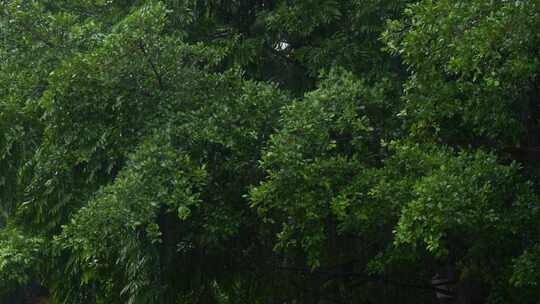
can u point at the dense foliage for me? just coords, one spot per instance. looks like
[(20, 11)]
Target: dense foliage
[(270, 151)]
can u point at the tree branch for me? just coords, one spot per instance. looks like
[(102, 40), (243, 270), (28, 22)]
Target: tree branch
[(152, 66)]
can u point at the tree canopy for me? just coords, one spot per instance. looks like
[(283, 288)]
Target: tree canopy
[(270, 151)]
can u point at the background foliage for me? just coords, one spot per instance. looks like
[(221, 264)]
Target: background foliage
[(269, 151)]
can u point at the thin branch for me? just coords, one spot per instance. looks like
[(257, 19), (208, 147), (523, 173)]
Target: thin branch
[(337, 275), (152, 65)]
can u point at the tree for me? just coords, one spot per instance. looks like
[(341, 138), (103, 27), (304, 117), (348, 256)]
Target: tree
[(256, 151)]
